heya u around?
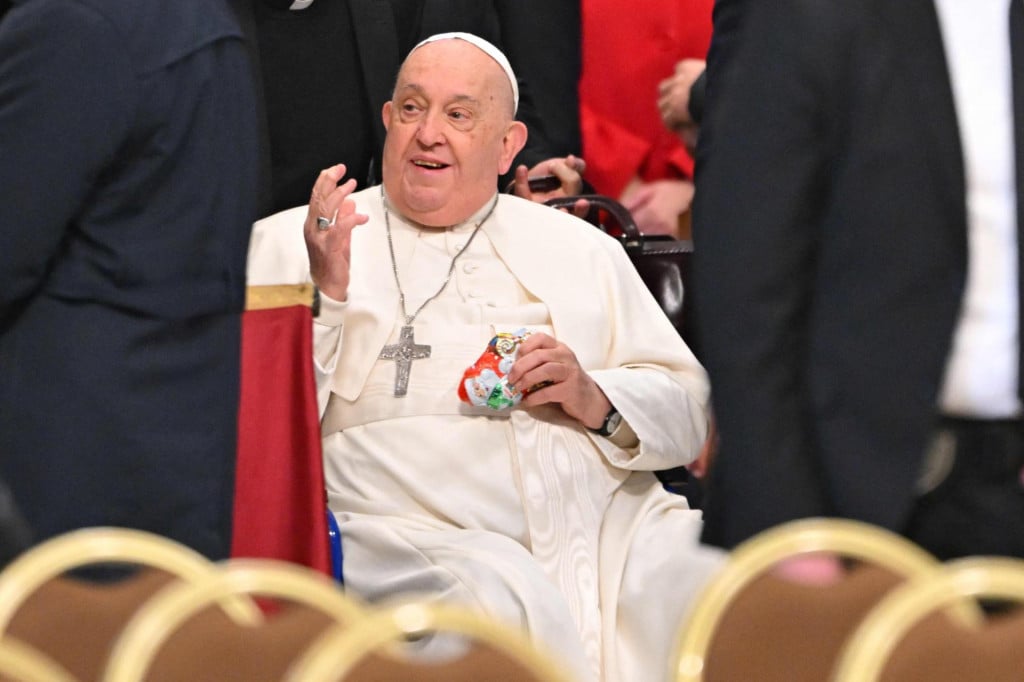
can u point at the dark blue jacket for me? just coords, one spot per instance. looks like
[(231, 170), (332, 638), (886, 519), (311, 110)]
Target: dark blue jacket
[(128, 163)]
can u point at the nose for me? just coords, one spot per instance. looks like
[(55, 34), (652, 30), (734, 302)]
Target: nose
[(430, 131)]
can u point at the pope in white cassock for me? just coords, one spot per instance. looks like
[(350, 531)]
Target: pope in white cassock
[(545, 515)]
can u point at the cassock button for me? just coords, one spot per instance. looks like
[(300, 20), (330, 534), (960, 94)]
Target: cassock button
[(469, 268)]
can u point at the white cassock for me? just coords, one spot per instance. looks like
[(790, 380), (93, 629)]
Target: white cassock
[(524, 514)]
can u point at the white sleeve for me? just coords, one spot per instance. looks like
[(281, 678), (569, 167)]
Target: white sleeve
[(327, 346), (650, 376)]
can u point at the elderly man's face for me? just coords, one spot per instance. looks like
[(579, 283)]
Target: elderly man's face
[(450, 133)]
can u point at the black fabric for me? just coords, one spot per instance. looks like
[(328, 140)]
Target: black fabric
[(130, 164), (15, 535), (247, 22), (830, 234), (727, 18), (316, 103), (542, 40), (695, 105), (978, 508), (1017, 62), (407, 16)]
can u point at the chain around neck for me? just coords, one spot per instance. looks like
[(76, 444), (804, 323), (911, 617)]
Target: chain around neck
[(451, 268)]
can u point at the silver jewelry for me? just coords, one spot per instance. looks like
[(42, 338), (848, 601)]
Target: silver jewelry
[(407, 350), (323, 223)]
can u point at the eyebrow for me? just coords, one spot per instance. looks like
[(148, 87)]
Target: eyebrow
[(419, 90)]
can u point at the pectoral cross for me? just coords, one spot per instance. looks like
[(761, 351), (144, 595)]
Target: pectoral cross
[(403, 353)]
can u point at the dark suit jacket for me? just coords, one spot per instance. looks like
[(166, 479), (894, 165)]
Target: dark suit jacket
[(310, 130), (128, 166), (830, 230), (726, 20), (542, 41)]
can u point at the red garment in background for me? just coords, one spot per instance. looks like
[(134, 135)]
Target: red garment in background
[(280, 501), (628, 48)]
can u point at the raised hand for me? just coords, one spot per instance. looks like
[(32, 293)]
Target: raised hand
[(328, 231)]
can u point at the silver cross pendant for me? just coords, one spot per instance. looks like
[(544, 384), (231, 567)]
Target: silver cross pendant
[(403, 353)]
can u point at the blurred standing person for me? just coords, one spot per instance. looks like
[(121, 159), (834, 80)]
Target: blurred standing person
[(702, 97), (857, 257), (128, 157), (627, 51)]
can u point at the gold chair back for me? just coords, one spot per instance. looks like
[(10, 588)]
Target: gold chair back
[(179, 634), (495, 652), (750, 624), (80, 548), (908, 635), (75, 621), (22, 663)]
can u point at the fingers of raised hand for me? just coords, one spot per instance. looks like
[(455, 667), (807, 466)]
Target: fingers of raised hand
[(327, 196)]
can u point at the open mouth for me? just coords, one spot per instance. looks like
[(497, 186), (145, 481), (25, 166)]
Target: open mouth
[(429, 165)]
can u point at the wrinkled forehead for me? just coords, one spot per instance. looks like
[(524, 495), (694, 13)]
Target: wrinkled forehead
[(462, 56)]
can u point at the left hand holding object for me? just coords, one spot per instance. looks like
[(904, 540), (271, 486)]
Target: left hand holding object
[(544, 360)]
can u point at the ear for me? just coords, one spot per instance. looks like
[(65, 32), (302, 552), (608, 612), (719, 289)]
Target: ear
[(385, 114), (512, 143)]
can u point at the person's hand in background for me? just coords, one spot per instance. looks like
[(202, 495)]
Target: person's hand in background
[(674, 100)]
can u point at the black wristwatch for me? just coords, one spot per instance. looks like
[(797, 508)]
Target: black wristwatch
[(611, 422)]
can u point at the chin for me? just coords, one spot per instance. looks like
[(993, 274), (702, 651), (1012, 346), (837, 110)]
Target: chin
[(428, 207), (433, 215)]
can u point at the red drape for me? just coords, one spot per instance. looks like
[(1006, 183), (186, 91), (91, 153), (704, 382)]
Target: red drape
[(280, 502)]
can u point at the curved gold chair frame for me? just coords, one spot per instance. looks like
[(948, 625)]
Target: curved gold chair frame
[(143, 635), (880, 633), (339, 651), (25, 664), (750, 559), (80, 548)]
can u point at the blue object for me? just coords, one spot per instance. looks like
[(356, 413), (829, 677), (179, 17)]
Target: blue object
[(334, 540)]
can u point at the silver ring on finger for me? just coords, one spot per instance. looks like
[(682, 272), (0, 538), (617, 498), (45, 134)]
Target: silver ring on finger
[(323, 223)]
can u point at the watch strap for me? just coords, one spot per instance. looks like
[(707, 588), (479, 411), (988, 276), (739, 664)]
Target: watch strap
[(607, 426)]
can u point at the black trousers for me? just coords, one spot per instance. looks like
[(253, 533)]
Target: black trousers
[(976, 502)]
